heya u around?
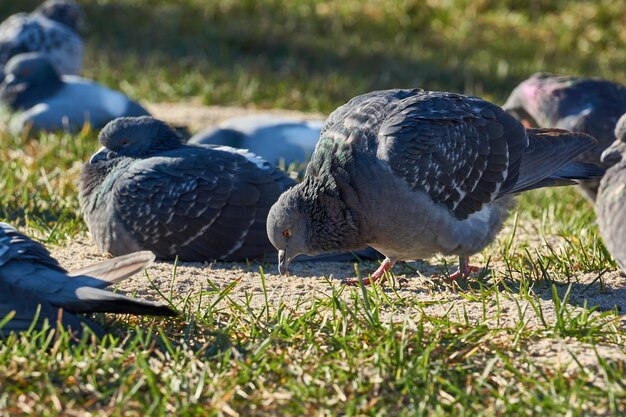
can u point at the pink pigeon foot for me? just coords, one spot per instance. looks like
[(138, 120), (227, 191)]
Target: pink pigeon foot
[(464, 270), (379, 274)]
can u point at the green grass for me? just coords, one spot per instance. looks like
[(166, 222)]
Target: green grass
[(315, 55), (346, 351)]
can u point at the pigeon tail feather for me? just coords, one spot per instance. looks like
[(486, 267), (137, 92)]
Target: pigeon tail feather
[(117, 269), (548, 160), (94, 300)]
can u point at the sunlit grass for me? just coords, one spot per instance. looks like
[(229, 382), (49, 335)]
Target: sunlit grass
[(315, 55), (375, 351)]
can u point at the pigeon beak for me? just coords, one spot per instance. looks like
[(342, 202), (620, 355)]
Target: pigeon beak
[(101, 155), (12, 85), (8, 79), (613, 154), (283, 262)]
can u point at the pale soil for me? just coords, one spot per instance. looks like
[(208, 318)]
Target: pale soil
[(437, 297), (197, 117)]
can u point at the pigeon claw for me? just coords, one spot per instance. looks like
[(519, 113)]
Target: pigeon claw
[(378, 276), (464, 272)]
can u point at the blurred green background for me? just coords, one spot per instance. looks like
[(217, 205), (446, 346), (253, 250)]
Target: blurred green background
[(315, 55)]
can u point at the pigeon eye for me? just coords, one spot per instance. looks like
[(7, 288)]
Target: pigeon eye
[(287, 232), (124, 142)]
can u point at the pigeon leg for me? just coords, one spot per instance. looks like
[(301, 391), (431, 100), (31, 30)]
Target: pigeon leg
[(464, 268), (379, 274)]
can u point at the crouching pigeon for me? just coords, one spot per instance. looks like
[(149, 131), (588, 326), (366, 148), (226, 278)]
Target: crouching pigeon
[(52, 29), (40, 99), (148, 190), (273, 138), (588, 105), (34, 288), (611, 201), (413, 173)]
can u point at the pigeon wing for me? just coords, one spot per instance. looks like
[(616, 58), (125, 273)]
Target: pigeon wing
[(196, 203), (458, 150), (16, 246)]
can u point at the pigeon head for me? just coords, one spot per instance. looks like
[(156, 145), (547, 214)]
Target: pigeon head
[(288, 228), (28, 79), (617, 151), (311, 218), (66, 12), (620, 129), (137, 137), (517, 103)]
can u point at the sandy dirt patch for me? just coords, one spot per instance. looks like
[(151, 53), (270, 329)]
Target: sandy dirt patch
[(197, 117)]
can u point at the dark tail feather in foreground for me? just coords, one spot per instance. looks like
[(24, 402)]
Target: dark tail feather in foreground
[(94, 300), (29, 310)]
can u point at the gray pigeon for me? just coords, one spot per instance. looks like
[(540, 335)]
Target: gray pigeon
[(273, 138), (52, 29), (588, 105), (611, 201), (413, 173), (42, 100), (35, 288), (148, 190)]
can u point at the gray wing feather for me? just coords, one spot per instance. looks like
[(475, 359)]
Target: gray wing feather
[(207, 204), (117, 269), (547, 160), (459, 150), (14, 244)]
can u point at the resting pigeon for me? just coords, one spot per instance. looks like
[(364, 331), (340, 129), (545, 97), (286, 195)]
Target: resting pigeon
[(412, 173), (32, 282), (148, 190), (273, 138), (589, 105), (611, 201), (43, 100), (52, 29)]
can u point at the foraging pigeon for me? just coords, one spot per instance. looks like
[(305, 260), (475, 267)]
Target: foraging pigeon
[(52, 29), (43, 100), (611, 201), (412, 173), (273, 138), (588, 105), (32, 282), (148, 190)]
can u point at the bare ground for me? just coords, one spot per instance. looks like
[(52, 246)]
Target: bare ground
[(436, 296)]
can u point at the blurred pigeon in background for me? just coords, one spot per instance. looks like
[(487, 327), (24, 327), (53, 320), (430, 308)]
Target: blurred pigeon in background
[(42, 100), (413, 173), (588, 105), (34, 287), (611, 201), (273, 138), (52, 29)]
